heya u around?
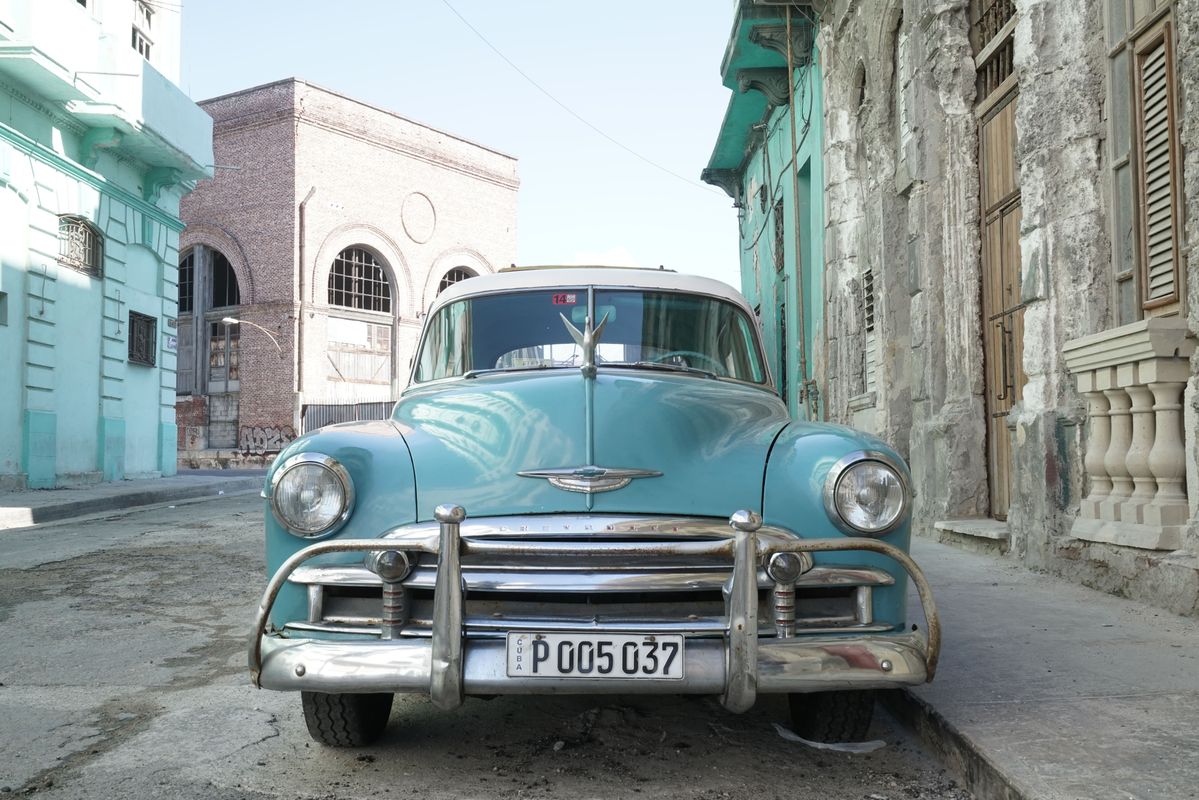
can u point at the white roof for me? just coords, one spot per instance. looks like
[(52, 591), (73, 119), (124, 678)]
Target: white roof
[(606, 277)]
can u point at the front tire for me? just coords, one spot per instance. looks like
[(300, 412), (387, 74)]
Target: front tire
[(842, 716), (346, 720)]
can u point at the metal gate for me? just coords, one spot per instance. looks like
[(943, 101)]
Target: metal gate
[(317, 416)]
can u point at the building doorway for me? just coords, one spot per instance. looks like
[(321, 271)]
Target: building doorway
[(992, 28)]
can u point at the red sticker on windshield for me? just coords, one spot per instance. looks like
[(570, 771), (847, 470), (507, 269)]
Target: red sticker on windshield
[(565, 299)]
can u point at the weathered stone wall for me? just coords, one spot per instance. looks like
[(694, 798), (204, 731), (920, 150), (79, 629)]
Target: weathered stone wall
[(905, 206), (1065, 253), (1187, 19), (905, 203)]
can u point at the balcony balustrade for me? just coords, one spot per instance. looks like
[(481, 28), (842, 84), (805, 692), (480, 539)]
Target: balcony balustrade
[(1133, 379)]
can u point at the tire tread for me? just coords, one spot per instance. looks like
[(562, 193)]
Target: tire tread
[(346, 720)]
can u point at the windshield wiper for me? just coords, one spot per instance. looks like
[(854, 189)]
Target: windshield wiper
[(474, 373), (660, 365)]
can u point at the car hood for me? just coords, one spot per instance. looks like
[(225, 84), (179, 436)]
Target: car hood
[(471, 438)]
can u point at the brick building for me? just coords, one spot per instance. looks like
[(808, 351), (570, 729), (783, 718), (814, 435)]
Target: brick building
[(329, 226)]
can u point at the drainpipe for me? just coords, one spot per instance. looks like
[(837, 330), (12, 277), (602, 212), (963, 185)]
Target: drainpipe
[(807, 389), (300, 322)]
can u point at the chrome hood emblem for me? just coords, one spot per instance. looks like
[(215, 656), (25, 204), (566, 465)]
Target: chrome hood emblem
[(589, 479)]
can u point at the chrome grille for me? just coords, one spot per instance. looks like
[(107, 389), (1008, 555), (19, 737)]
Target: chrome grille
[(516, 581)]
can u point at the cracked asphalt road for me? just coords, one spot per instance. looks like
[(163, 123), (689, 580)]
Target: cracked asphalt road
[(122, 674)]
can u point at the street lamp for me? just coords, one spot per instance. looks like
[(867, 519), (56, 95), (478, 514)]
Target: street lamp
[(271, 336)]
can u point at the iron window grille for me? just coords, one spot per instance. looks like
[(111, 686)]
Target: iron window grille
[(454, 276), (79, 245), (357, 280), (991, 35), (143, 333)]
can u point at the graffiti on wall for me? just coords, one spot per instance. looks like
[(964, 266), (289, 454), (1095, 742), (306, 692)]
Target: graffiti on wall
[(256, 440)]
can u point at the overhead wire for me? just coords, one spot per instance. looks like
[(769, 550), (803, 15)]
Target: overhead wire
[(570, 110), (775, 182)]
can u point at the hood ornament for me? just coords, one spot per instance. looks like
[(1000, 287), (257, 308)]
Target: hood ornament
[(587, 339), (589, 479)]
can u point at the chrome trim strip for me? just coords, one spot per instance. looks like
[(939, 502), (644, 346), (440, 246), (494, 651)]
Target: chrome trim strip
[(789, 665), (834, 477), (596, 526), (586, 579), (485, 627)]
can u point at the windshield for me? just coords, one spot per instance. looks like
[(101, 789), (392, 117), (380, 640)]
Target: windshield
[(643, 329)]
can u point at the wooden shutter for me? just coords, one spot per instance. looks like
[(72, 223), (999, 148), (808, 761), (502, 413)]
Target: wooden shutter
[(1157, 133)]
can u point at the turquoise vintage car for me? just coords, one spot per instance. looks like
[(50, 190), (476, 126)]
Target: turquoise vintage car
[(590, 486)]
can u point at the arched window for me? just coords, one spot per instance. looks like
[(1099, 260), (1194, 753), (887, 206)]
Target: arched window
[(357, 280), (79, 245), (187, 282), (224, 282), (453, 276)]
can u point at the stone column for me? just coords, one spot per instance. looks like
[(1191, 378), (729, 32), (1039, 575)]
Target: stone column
[(1167, 458), (1137, 459), (1098, 439), (1117, 449)]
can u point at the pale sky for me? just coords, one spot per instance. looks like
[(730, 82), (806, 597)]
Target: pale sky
[(645, 72)]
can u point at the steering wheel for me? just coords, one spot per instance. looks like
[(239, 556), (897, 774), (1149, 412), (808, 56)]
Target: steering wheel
[(691, 354)]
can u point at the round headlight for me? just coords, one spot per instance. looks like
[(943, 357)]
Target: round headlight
[(865, 495), (311, 494)]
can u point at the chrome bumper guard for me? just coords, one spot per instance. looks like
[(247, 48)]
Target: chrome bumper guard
[(737, 668)]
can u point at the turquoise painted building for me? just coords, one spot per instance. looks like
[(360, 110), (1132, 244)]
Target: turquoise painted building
[(768, 158), (97, 145)]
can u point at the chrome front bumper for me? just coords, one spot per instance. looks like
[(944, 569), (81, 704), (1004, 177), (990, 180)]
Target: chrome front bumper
[(737, 666)]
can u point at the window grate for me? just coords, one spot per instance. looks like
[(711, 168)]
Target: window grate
[(455, 275), (868, 300), (993, 42), (79, 245), (143, 333), (357, 280)]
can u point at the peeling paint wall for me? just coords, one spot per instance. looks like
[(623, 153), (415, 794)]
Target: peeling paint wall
[(903, 203)]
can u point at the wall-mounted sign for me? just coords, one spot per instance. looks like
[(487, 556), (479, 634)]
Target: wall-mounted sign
[(172, 343)]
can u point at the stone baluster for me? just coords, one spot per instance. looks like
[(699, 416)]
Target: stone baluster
[(1137, 459), (1117, 449), (1099, 437), (1167, 458)]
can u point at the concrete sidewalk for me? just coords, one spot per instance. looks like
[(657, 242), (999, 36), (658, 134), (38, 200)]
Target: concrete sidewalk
[(33, 506), (1051, 690)]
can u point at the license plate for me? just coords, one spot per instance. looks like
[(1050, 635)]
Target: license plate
[(587, 655)]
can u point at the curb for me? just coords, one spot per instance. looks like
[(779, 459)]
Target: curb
[(961, 755), (14, 517)]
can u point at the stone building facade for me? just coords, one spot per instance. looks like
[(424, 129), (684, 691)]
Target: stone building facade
[(97, 145), (308, 260), (1012, 273)]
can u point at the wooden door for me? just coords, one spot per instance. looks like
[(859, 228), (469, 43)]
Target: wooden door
[(1002, 309)]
